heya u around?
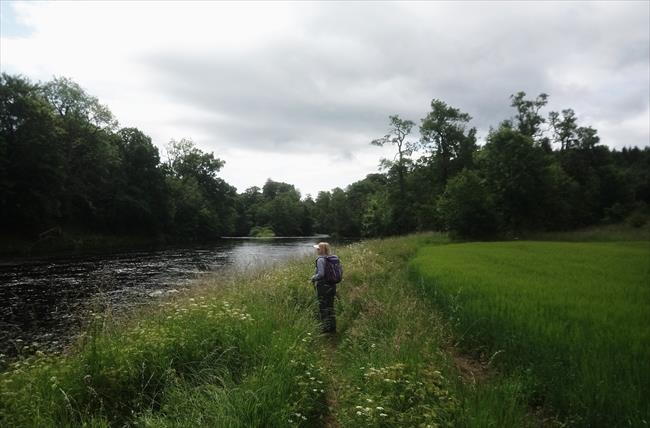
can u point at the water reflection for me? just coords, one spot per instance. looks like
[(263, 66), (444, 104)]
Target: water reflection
[(45, 301)]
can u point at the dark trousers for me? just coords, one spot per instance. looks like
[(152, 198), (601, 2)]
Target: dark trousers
[(326, 294)]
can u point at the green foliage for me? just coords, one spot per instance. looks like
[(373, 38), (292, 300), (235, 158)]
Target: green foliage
[(70, 101), (516, 173), (446, 138), (467, 207), (528, 119), (32, 174), (564, 128), (399, 130), (569, 318), (141, 196), (203, 205), (280, 209), (262, 232), (376, 220), (65, 165), (340, 212)]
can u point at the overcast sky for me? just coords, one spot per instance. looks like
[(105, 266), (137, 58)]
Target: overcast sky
[(296, 91)]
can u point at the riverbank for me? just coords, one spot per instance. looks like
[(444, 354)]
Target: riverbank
[(74, 244), (62, 243), (244, 350)]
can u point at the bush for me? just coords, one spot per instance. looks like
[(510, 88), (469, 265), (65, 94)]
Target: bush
[(262, 232), (637, 219)]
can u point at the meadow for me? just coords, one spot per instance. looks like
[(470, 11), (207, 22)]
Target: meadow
[(569, 320), (426, 337)]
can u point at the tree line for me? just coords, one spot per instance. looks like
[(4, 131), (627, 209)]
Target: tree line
[(65, 164), (533, 173)]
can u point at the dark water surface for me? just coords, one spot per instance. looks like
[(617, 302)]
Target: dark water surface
[(43, 302)]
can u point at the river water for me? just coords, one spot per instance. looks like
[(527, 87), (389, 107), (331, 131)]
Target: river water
[(44, 302)]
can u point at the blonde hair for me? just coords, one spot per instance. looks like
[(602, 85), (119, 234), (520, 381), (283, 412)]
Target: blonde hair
[(324, 248)]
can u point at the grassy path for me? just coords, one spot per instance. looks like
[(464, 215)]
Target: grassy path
[(331, 396), (392, 363)]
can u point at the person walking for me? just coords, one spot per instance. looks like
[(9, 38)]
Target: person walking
[(328, 273)]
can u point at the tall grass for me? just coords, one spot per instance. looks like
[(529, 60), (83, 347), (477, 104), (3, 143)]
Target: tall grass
[(244, 351), (391, 366), (230, 354), (571, 319)]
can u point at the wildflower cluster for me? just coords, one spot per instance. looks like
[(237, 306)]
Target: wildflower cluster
[(230, 312), (210, 307), (398, 395)]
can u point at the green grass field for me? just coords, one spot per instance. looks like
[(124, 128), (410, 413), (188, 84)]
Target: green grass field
[(572, 320)]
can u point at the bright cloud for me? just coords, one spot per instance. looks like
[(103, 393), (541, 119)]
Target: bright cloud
[(295, 91)]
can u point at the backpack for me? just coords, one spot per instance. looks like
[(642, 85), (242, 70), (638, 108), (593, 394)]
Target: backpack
[(333, 270)]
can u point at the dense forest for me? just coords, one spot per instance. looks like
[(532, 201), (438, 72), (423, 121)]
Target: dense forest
[(67, 166)]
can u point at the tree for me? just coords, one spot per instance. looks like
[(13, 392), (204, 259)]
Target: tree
[(584, 161), (185, 160), (70, 100), (307, 222), (204, 204), (340, 213), (467, 208), (587, 138), (282, 213), (246, 207), (528, 120), (280, 208), (322, 214), (446, 137), (399, 130), (91, 155), (564, 128), (516, 173), (31, 162), (140, 195), (358, 196), (272, 189), (560, 206), (377, 215)]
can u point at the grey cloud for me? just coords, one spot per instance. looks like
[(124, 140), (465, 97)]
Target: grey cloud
[(360, 63)]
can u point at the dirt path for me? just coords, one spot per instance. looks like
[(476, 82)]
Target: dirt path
[(330, 348)]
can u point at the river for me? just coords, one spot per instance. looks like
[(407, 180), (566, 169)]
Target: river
[(45, 301)]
